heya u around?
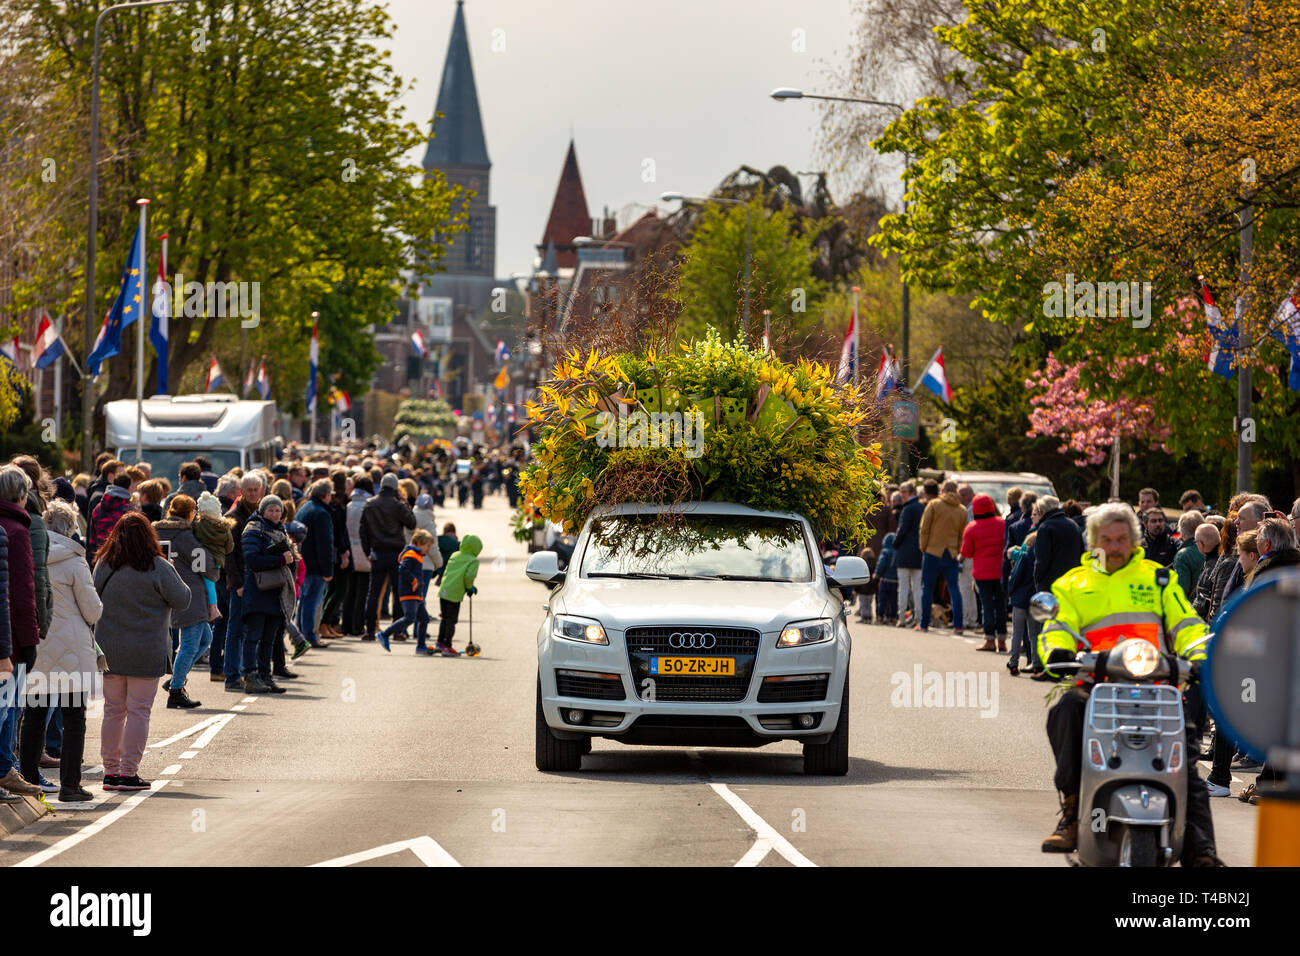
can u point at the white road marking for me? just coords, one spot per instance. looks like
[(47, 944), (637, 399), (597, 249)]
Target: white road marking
[(240, 707), (425, 847), (189, 731), (172, 770), (188, 754), (247, 700), (206, 737), (765, 832), (68, 842)]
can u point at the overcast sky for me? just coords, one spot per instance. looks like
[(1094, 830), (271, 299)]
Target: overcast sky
[(680, 83)]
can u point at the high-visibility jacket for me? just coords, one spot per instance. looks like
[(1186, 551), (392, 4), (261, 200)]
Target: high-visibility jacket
[(1107, 608)]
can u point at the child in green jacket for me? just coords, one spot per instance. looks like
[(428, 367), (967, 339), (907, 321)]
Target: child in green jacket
[(457, 581)]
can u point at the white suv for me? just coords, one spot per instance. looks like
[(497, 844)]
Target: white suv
[(720, 630)]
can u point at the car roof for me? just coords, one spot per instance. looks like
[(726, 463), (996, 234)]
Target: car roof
[(997, 476), (695, 507)]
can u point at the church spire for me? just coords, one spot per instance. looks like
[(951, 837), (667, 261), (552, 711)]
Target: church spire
[(569, 216), (458, 135)]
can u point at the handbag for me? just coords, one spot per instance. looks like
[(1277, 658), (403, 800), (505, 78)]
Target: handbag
[(271, 580)]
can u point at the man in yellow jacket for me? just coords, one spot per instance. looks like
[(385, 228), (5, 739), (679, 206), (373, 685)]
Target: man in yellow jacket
[(1113, 595)]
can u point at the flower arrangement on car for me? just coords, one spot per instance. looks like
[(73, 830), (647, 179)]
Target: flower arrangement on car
[(714, 421)]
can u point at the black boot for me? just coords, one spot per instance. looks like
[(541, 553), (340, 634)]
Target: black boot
[(176, 697)]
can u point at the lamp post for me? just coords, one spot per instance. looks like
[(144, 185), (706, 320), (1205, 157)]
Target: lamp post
[(92, 226), (790, 93), (699, 200)]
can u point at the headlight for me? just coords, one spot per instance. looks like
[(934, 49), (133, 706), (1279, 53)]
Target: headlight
[(578, 629), (809, 632), (1139, 657)]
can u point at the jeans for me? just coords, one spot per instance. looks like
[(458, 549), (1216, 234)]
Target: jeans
[(931, 569), (11, 692), (971, 608), (887, 601), (993, 608), (447, 624), (309, 605), (413, 615), (909, 586), (260, 632), (234, 638), (1020, 643), (383, 569), (195, 639), (422, 628), (72, 709), (125, 730)]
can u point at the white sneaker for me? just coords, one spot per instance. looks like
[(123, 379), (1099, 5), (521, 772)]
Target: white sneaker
[(1217, 791)]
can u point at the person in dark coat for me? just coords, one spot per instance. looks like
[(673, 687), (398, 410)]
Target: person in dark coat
[(195, 564), (35, 504), (1059, 545), (384, 522), (251, 490), (1020, 588), (317, 555), (265, 547), (111, 507), (332, 611), (1157, 542), (907, 553), (25, 635), (108, 470)]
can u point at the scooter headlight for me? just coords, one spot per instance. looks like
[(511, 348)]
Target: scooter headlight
[(1138, 657), (579, 629)]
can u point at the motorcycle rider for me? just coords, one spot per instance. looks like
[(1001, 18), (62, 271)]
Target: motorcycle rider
[(1114, 594)]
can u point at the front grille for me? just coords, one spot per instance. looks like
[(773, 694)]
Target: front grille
[(646, 642), (588, 685), (800, 690)]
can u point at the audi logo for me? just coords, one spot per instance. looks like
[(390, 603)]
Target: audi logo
[(687, 641)]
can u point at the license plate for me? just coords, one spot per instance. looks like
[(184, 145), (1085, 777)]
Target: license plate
[(699, 666)]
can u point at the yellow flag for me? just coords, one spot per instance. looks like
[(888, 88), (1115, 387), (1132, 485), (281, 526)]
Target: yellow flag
[(502, 379)]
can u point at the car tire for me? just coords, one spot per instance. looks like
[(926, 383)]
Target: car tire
[(552, 752), (831, 759)]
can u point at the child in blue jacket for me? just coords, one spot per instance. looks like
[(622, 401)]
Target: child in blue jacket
[(410, 592), (887, 584), (1020, 588)]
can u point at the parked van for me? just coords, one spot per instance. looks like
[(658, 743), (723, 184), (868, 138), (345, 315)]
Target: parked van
[(229, 431)]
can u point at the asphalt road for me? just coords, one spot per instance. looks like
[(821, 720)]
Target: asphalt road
[(388, 759)]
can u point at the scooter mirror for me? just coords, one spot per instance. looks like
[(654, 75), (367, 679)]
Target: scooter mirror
[(1043, 606)]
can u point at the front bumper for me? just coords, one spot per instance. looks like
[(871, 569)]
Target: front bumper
[(668, 721)]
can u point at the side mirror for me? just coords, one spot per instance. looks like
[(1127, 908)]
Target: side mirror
[(849, 572), (544, 566), (1043, 607)]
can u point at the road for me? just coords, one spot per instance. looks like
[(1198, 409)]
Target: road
[(388, 759)]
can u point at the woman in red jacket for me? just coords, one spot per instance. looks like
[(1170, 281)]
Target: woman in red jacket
[(982, 541)]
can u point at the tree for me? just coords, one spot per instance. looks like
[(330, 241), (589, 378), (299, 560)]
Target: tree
[(710, 287), (265, 134)]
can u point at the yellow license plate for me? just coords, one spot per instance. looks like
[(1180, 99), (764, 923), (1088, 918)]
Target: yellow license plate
[(698, 666)]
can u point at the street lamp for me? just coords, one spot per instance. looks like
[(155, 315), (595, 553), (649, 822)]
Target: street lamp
[(791, 93), (92, 227), (685, 200)]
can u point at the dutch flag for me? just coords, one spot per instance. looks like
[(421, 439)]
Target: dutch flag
[(263, 381), (215, 377), (1219, 358), (48, 345), (935, 377), (315, 364), (417, 344)]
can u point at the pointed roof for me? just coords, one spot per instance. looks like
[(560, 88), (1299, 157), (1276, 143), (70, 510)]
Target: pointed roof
[(569, 215), (458, 139)]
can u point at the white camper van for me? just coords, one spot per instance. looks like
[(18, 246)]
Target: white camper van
[(175, 428)]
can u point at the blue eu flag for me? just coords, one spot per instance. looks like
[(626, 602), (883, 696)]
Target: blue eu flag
[(127, 308)]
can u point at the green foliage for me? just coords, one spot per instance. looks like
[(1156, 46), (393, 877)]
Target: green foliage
[(711, 284), (819, 459), (423, 417), (267, 137)]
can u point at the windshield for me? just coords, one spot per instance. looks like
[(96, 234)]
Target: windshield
[(167, 462), (723, 547), (997, 490)]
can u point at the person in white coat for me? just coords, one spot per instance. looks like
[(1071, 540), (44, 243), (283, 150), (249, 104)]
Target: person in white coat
[(354, 602), (65, 670)]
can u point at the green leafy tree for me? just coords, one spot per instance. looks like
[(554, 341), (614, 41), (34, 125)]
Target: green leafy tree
[(711, 283), (265, 132)]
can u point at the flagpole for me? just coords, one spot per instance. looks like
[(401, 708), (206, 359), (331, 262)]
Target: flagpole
[(139, 338), (856, 372), (926, 368), (315, 398), (58, 387)]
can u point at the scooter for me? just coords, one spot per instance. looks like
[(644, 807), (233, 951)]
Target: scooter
[(1133, 786)]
